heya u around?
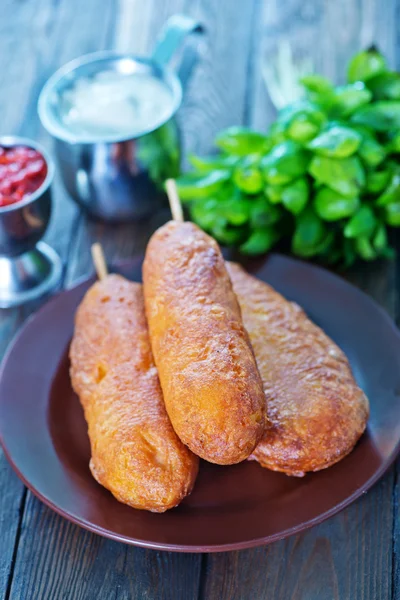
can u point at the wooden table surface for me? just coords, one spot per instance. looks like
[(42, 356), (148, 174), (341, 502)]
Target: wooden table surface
[(354, 555)]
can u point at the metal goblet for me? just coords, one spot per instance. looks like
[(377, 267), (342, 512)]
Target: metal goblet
[(28, 267)]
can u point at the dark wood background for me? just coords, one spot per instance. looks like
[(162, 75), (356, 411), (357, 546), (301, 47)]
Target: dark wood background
[(354, 555)]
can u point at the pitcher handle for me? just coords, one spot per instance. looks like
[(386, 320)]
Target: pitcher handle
[(172, 35)]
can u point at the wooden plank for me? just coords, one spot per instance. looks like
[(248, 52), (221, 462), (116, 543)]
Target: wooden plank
[(18, 116), (11, 502), (334, 561), (396, 487), (349, 556), (60, 560)]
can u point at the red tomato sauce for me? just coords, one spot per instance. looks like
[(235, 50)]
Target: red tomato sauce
[(22, 172)]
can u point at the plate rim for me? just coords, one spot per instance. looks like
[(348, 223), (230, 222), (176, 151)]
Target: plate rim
[(187, 548)]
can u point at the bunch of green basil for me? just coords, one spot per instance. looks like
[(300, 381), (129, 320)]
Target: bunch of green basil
[(325, 177)]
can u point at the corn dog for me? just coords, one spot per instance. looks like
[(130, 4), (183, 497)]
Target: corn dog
[(315, 410), (135, 451), (212, 389)]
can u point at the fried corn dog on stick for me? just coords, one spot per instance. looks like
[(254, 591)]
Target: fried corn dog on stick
[(212, 389), (315, 410), (135, 451)]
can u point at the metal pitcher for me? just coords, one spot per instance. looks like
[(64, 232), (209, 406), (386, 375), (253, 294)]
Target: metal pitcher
[(121, 179)]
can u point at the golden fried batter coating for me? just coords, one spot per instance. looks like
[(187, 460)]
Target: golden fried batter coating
[(135, 451), (212, 389), (315, 410)]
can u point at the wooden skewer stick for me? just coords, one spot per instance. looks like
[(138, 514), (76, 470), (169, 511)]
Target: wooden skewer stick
[(177, 214), (174, 201), (99, 261)]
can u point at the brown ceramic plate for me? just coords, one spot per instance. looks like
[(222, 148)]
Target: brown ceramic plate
[(43, 431)]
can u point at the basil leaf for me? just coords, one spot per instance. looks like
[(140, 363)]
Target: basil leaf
[(391, 193), (304, 108), (371, 151), (365, 65), (285, 162), (336, 142), (277, 134), (349, 253), (385, 86), (192, 186), (204, 212), (349, 98), (260, 241), (301, 129), (325, 243), (274, 193), (308, 235), (331, 206), (262, 213), (299, 122), (392, 214), (247, 176), (276, 178), (377, 181), (394, 143), (241, 141), (319, 90), (380, 240), (364, 248), (228, 234), (236, 211), (212, 163), (316, 83), (159, 152), (381, 116), (345, 175), (331, 253), (362, 223), (295, 196), (365, 132)]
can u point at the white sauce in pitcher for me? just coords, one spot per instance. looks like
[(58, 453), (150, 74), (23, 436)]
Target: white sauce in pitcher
[(114, 104)]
